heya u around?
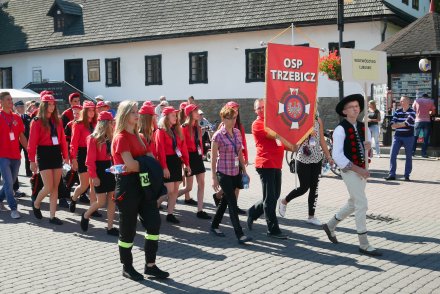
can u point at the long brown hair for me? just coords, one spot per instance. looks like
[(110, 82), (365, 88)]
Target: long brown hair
[(84, 118), (181, 117), (164, 123), (189, 123), (42, 110), (103, 132), (146, 126)]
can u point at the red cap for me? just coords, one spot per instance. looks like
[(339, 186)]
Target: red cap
[(74, 95), (190, 108), (148, 103), (183, 105), (169, 109), (232, 104), (105, 115), (45, 92), (47, 98), (101, 104), (77, 107), (147, 109), (88, 104)]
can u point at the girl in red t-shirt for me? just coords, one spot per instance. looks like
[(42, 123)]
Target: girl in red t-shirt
[(171, 152), (147, 127)]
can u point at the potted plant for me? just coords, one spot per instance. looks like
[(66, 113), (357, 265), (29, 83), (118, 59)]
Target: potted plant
[(331, 65)]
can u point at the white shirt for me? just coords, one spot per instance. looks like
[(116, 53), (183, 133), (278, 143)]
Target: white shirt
[(338, 146)]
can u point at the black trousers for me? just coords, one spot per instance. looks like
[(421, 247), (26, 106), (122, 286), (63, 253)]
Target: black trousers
[(228, 185), (133, 201), (271, 183), (308, 174), (27, 164)]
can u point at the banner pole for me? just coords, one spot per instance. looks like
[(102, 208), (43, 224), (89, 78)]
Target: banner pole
[(293, 35), (366, 122)]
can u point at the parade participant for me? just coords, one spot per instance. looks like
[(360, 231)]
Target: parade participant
[(97, 161), (147, 127), (11, 136), (101, 106), (191, 100), (268, 162), (76, 110), (193, 140), (47, 150), (349, 149), (81, 128), (373, 125), (309, 165), (171, 151), (20, 109), (74, 99), (226, 164), (238, 125), (181, 115), (127, 148)]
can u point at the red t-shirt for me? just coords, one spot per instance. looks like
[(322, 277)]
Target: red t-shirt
[(95, 153), (164, 147), (9, 144), (190, 141), (40, 136), (126, 142), (269, 154), (79, 137)]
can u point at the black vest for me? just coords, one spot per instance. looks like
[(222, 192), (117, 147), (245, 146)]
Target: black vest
[(353, 144)]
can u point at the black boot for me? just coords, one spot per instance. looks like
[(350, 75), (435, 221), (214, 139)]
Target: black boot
[(156, 272), (128, 271)]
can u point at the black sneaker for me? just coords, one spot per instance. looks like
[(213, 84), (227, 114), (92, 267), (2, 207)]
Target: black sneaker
[(84, 223), (156, 272), (203, 215), (216, 200), (72, 205), (390, 178), (241, 211), (279, 235), (407, 179), (55, 221), (19, 194), (37, 212), (96, 214), (63, 203), (131, 273), (190, 201), (84, 199), (113, 232), (172, 219)]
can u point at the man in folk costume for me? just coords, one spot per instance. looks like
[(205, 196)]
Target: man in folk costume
[(349, 149)]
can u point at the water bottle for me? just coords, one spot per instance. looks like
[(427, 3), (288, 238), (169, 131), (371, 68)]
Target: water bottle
[(66, 167), (245, 180), (325, 168), (115, 169)]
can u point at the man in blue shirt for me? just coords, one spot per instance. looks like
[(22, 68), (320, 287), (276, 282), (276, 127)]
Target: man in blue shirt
[(403, 124)]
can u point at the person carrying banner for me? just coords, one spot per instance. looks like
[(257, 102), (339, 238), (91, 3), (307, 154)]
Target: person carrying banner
[(349, 149)]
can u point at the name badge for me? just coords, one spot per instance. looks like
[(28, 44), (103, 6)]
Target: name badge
[(179, 154), (199, 150), (11, 136), (236, 162), (278, 142), (55, 140)]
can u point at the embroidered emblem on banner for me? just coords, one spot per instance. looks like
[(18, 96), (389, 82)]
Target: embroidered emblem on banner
[(294, 108), (145, 180)]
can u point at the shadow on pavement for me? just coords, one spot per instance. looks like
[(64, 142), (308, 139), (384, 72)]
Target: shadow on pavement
[(171, 286)]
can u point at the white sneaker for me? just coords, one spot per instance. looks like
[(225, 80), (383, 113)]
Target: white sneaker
[(15, 214), (281, 208), (314, 221), (2, 207)]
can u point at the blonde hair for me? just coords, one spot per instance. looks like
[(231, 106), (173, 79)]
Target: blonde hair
[(42, 110), (227, 112), (146, 126), (124, 110), (103, 132), (165, 124)]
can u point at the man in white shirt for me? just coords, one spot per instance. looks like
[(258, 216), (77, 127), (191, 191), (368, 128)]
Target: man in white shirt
[(349, 149)]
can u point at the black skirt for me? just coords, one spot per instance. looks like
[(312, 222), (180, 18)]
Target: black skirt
[(49, 157), (107, 180), (174, 164), (81, 158), (196, 163)]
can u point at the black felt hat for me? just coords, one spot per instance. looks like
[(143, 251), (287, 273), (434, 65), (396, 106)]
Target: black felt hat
[(350, 98), (19, 103)]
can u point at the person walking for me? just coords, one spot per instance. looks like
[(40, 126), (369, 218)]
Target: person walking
[(373, 125), (134, 194), (424, 108), (47, 151), (20, 109), (226, 164), (67, 115), (98, 159), (403, 124), (148, 126), (349, 149)]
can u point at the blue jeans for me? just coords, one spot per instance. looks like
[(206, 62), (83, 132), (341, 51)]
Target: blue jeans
[(424, 126), (9, 170), (408, 143), (375, 131)]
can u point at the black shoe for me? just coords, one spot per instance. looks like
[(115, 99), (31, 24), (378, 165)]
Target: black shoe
[(72, 205), (55, 221), (84, 199), (84, 223), (329, 234), (37, 212), (249, 222), (425, 156), (279, 235), (241, 211), (216, 200), (113, 232), (156, 272), (244, 239), (172, 219), (373, 252), (190, 201), (63, 203), (203, 215), (390, 178), (19, 194), (96, 214), (407, 179), (131, 273), (217, 232)]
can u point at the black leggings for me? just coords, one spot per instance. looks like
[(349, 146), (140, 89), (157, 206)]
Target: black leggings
[(308, 174), (131, 201)]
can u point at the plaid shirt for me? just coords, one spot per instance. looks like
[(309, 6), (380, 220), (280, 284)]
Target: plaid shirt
[(226, 151)]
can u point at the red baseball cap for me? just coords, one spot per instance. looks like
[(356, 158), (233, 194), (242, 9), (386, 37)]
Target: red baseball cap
[(232, 104), (88, 104), (45, 92), (77, 107), (148, 103), (147, 109), (190, 108), (74, 95), (183, 105), (105, 115), (101, 104), (169, 109), (47, 98)]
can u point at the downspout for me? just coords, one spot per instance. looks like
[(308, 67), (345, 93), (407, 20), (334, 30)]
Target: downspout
[(385, 22)]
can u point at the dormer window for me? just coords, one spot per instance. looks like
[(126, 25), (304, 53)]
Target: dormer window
[(64, 14), (58, 22)]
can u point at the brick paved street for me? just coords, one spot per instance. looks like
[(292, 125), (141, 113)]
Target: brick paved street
[(404, 223)]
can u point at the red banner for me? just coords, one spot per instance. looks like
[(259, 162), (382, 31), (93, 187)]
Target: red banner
[(291, 87)]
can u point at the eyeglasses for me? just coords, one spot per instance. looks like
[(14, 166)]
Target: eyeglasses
[(231, 118), (259, 108)]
